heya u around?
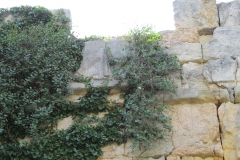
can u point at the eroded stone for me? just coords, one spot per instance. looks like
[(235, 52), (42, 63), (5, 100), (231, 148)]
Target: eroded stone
[(192, 74), (95, 61), (221, 72), (186, 52), (229, 13), (230, 126), (225, 42), (180, 35), (195, 96), (195, 130), (200, 15)]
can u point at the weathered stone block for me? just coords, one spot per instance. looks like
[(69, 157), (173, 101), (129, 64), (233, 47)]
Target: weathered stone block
[(192, 74), (196, 14), (195, 96), (180, 35), (225, 42), (221, 72), (230, 126), (205, 38), (186, 52), (95, 61), (116, 47), (195, 130), (193, 158), (229, 13)]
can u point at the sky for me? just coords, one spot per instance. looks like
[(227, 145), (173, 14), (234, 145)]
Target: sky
[(110, 17)]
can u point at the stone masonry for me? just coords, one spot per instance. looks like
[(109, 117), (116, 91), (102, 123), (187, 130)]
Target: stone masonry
[(206, 106)]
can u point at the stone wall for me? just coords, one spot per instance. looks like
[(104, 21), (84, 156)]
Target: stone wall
[(205, 110)]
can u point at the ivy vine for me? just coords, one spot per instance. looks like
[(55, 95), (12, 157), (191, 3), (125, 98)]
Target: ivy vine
[(37, 60)]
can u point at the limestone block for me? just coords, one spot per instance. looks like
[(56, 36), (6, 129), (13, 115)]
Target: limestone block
[(81, 89), (195, 96), (237, 94), (229, 13), (195, 130), (193, 158), (180, 35), (65, 123), (116, 47), (115, 99), (186, 52), (115, 151), (161, 158), (95, 61), (196, 14), (160, 148), (221, 72), (225, 42), (238, 70), (230, 126), (205, 38), (192, 74)]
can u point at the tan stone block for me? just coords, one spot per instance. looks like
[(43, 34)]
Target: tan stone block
[(195, 130), (229, 114), (186, 52), (205, 38), (115, 99), (180, 35), (225, 42), (200, 15), (190, 96), (173, 158), (65, 123)]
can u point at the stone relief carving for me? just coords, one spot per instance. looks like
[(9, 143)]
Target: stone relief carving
[(95, 60)]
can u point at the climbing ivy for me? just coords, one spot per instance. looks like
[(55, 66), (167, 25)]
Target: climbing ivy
[(146, 69), (38, 58)]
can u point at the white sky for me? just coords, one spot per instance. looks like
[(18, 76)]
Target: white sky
[(110, 17)]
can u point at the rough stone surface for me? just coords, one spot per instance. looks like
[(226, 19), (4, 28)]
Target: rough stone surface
[(160, 148), (180, 35), (225, 42), (81, 89), (95, 61), (230, 126), (65, 123), (229, 13), (186, 52), (237, 94), (221, 72), (192, 74), (238, 70), (192, 158), (196, 14), (116, 47), (195, 96), (195, 130), (205, 38)]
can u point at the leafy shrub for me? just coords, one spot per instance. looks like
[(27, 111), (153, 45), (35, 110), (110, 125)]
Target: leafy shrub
[(146, 69)]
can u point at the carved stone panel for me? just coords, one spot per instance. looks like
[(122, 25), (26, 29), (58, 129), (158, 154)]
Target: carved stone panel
[(95, 60)]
